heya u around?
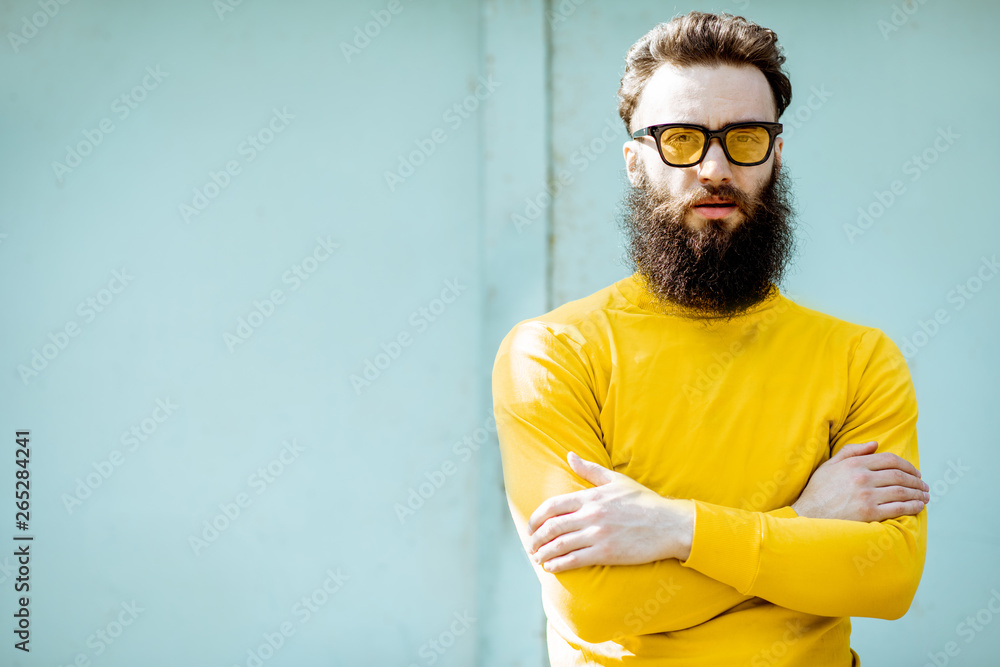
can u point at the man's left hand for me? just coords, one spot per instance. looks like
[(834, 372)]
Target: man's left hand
[(618, 522)]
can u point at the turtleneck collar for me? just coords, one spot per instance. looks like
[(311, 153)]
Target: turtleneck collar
[(636, 290)]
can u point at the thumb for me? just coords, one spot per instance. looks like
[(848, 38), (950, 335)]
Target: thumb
[(592, 472), (858, 449)]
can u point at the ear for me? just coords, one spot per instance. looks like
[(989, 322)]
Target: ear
[(632, 165), (778, 143)]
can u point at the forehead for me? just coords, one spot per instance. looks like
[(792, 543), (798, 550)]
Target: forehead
[(712, 96)]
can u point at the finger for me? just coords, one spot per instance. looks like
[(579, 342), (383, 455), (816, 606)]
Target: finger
[(556, 506), (894, 510), (553, 528), (592, 472), (574, 559), (887, 460), (896, 477), (890, 494), (857, 449), (563, 545)]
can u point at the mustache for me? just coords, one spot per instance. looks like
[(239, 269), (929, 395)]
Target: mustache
[(676, 206)]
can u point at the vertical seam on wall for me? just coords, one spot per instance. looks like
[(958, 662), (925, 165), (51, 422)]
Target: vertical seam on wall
[(549, 153), (484, 303), (550, 235)]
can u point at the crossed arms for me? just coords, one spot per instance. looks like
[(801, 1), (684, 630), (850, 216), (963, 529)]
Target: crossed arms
[(613, 545)]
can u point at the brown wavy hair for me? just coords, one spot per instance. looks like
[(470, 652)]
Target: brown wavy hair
[(699, 38)]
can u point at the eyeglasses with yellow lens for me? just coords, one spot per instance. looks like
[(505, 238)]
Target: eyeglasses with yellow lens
[(685, 145)]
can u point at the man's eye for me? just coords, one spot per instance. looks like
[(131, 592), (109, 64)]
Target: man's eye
[(681, 138)]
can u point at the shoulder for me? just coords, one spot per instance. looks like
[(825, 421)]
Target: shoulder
[(861, 342), (574, 324)]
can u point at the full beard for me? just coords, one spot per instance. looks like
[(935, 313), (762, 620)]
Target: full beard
[(712, 271)]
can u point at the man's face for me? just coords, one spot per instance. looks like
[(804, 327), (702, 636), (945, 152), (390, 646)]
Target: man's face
[(713, 236), (712, 97)]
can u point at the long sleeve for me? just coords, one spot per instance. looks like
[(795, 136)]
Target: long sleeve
[(545, 407), (821, 566)]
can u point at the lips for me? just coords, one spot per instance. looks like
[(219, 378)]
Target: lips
[(715, 202), (714, 208)]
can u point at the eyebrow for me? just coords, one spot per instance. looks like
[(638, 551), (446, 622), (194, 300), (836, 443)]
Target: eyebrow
[(731, 122)]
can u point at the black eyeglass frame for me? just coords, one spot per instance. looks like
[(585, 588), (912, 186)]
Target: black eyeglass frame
[(654, 131)]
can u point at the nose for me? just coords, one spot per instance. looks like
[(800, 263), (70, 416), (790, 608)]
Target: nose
[(715, 168)]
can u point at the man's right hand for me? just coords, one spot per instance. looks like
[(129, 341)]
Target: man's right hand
[(859, 485)]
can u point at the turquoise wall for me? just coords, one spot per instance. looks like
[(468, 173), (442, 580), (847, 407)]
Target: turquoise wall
[(257, 259)]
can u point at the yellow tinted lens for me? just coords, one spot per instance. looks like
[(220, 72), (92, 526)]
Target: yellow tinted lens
[(747, 144), (681, 145)]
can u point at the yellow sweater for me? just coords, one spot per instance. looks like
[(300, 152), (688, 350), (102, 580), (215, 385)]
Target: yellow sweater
[(735, 415)]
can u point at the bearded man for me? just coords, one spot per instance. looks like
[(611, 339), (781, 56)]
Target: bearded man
[(702, 471)]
